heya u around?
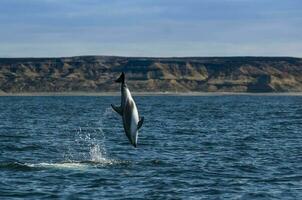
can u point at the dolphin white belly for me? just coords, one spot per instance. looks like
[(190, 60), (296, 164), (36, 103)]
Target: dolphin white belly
[(134, 117), (130, 118)]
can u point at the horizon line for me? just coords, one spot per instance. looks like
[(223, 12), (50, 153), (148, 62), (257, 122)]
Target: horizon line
[(121, 56)]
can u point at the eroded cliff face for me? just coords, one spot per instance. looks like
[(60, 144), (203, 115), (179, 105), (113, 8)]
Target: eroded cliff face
[(97, 74)]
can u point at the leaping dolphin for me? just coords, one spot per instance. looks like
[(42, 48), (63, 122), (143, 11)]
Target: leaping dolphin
[(128, 111)]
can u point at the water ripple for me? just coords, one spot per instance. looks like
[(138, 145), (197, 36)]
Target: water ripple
[(207, 147)]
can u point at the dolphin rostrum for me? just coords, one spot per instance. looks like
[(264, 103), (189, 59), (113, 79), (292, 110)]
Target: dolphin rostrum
[(128, 111)]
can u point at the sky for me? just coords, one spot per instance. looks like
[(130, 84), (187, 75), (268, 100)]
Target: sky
[(55, 28)]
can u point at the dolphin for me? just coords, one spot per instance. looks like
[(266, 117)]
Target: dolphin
[(128, 111)]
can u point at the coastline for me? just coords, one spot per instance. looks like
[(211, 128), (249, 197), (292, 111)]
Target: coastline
[(151, 94)]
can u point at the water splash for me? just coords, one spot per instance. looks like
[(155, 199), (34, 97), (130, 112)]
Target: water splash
[(89, 142), (97, 154), (86, 148), (89, 145)]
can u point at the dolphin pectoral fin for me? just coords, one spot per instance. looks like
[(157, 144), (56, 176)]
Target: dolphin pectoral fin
[(140, 123), (117, 109)]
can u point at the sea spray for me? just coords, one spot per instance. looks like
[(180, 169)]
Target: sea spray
[(97, 153), (89, 142)]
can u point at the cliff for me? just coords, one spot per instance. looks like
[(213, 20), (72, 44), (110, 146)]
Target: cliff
[(201, 74)]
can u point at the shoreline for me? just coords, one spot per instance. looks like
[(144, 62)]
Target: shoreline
[(152, 94)]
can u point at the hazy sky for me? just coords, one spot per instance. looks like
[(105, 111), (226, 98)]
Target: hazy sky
[(150, 27)]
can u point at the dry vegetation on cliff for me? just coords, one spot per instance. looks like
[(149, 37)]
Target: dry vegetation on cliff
[(192, 74)]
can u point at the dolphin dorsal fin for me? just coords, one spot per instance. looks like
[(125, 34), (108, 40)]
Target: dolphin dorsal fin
[(140, 123), (117, 109)]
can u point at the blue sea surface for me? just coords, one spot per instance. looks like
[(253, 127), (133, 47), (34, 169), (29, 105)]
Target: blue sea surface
[(190, 147)]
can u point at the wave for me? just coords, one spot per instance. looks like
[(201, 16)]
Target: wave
[(72, 165), (15, 166), (82, 165)]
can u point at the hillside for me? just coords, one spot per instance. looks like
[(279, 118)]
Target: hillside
[(200, 74)]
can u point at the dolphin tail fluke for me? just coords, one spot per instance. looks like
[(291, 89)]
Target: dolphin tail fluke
[(117, 109), (121, 79), (140, 123)]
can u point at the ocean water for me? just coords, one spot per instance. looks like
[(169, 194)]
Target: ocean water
[(190, 147)]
